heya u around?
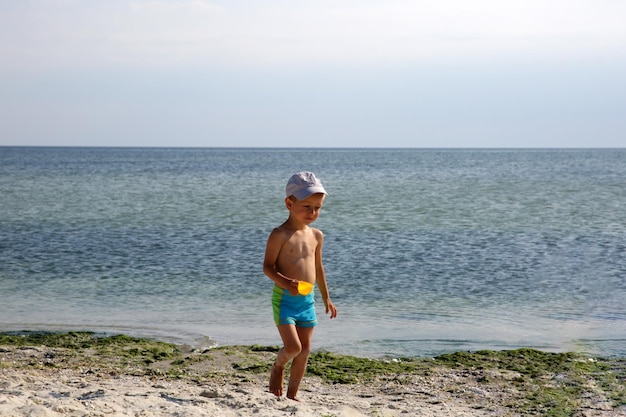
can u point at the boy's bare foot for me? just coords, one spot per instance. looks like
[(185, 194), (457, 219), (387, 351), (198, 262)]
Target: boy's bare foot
[(292, 393), (276, 380)]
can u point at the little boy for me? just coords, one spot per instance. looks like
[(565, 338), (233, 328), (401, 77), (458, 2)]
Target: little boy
[(294, 254)]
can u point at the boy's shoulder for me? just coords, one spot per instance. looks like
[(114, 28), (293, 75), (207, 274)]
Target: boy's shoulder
[(281, 232), (317, 232)]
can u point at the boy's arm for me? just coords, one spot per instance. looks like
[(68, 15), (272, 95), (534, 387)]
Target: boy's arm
[(320, 276), (274, 245)]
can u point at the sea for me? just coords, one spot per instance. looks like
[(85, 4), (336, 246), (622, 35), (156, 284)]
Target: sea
[(426, 251)]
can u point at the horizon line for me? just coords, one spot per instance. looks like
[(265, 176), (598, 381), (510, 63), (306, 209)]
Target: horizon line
[(322, 147)]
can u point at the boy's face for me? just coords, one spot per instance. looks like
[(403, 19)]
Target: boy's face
[(306, 211)]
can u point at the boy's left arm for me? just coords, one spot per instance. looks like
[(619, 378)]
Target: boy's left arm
[(320, 277)]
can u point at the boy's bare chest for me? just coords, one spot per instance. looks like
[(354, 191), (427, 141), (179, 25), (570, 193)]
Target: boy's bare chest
[(300, 248)]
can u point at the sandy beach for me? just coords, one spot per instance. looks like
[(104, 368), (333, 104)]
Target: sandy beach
[(71, 393), (37, 380)]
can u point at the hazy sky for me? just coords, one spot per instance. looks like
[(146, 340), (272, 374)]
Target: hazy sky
[(303, 73)]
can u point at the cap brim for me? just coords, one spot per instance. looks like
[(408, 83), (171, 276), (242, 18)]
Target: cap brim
[(306, 193)]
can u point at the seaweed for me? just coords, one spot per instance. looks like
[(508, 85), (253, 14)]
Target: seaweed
[(524, 381)]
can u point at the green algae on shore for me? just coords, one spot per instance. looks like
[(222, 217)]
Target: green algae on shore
[(524, 381)]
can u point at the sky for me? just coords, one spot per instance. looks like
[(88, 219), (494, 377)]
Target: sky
[(304, 73)]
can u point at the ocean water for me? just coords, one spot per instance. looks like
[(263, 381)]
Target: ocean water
[(426, 251)]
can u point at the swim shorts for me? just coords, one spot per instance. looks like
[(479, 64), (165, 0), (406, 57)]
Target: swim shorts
[(298, 310)]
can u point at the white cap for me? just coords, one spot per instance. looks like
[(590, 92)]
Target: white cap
[(303, 185)]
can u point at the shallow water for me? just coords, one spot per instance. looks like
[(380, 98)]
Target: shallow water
[(426, 251)]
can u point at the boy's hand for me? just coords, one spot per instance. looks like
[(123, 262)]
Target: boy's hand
[(330, 308), (292, 287)]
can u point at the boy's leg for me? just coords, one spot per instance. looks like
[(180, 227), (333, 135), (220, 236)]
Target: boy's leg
[(291, 348), (300, 361), (299, 364)]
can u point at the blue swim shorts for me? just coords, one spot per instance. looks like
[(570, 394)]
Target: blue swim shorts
[(298, 310)]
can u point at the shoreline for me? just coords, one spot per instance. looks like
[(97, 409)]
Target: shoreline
[(74, 374)]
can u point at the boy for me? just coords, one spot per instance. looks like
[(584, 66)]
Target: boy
[(294, 254)]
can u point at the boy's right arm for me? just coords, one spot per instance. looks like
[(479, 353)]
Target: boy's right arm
[(274, 244)]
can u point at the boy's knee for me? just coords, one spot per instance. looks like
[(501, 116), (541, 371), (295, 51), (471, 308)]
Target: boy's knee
[(306, 349), (293, 350)]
